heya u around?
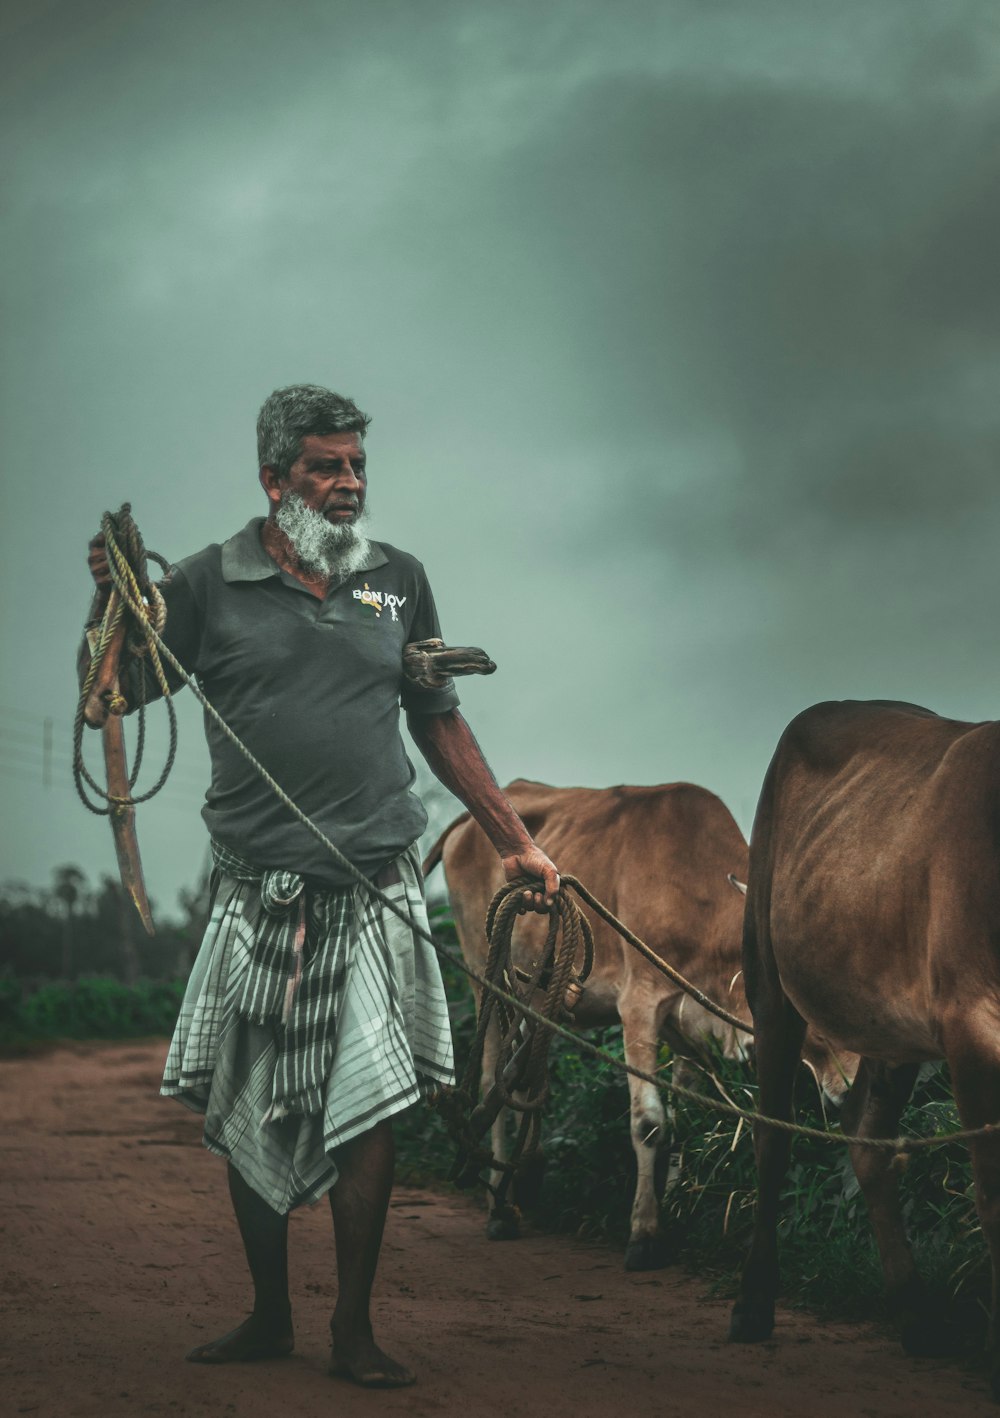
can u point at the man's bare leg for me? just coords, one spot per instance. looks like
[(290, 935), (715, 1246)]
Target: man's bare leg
[(267, 1334), (359, 1202)]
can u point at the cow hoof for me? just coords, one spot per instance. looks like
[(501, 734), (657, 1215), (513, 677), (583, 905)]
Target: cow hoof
[(503, 1226), (647, 1253), (751, 1321)]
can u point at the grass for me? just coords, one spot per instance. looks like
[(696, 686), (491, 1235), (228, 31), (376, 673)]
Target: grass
[(828, 1257)]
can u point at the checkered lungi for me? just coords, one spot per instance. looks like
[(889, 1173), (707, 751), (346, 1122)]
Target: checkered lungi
[(310, 1015)]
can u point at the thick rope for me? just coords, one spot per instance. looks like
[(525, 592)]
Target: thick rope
[(880, 1144), (145, 605), (521, 1080)]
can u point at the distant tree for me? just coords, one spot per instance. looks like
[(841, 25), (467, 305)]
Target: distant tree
[(20, 894), (116, 949), (69, 883), (194, 903), (31, 930), (69, 930)]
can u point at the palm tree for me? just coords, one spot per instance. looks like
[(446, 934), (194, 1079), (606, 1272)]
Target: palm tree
[(69, 884)]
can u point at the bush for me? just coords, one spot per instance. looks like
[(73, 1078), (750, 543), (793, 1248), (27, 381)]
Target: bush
[(92, 1008), (828, 1255)]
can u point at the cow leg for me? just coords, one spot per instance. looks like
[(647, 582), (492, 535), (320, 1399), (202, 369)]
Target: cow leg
[(778, 1033), (669, 1168), (974, 1060), (646, 1248), (873, 1109), (502, 1223)]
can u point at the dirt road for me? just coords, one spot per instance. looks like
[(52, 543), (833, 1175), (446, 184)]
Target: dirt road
[(119, 1253)]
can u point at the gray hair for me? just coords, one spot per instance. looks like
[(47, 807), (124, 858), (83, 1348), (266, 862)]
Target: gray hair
[(291, 414)]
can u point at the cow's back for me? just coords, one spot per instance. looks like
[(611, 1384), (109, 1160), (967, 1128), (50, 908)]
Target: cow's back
[(658, 857), (875, 822)]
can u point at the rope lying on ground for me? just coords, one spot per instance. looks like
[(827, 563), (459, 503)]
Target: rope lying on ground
[(881, 1144)]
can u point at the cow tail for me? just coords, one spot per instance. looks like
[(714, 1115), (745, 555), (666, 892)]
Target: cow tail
[(435, 854)]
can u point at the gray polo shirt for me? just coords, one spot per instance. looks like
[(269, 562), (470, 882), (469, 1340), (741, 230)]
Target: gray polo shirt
[(313, 688)]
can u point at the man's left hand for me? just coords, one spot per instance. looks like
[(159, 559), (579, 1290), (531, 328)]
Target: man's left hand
[(533, 862)]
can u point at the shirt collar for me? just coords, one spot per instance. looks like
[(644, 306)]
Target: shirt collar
[(244, 557)]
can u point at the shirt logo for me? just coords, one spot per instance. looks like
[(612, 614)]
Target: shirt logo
[(380, 601)]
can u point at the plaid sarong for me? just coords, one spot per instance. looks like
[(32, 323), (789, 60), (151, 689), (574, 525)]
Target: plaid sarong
[(288, 982), (310, 1015)]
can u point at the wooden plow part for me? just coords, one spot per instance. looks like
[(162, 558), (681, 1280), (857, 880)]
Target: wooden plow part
[(104, 708)]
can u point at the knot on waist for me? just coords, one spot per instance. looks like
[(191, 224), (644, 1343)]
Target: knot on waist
[(280, 889)]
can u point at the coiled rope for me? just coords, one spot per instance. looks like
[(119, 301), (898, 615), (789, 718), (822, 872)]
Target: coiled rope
[(520, 1080), (902, 1145), (139, 601)]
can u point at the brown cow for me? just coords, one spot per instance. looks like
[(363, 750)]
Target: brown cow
[(659, 857), (873, 914)]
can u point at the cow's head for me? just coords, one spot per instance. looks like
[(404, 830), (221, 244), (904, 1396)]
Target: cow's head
[(832, 1068)]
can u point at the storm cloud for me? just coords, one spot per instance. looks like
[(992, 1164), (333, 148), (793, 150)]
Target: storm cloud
[(679, 325)]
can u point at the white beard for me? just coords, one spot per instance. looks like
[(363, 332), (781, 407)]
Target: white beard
[(330, 549)]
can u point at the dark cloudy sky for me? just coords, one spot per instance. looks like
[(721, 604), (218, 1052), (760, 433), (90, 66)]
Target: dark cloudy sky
[(678, 323)]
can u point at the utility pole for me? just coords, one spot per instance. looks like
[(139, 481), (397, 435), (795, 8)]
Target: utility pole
[(47, 753)]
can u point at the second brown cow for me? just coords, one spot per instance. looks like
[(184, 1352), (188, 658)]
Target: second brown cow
[(659, 858)]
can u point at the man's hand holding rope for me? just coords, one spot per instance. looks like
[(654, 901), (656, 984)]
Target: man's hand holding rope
[(97, 562), (533, 862)]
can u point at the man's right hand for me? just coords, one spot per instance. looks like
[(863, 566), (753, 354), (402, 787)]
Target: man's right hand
[(97, 560)]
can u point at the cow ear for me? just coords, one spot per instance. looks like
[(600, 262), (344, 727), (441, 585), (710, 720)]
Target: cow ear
[(741, 886)]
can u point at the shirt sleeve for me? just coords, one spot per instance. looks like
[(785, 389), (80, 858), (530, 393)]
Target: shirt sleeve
[(425, 626), (181, 634)]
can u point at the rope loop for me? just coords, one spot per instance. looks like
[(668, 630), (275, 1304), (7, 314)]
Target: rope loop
[(520, 1074), (141, 605)]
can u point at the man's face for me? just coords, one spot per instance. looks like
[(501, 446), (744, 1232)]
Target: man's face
[(329, 476)]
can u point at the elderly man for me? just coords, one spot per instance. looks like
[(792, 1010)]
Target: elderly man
[(313, 1014)]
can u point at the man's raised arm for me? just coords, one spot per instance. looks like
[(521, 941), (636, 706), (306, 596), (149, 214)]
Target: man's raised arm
[(181, 633)]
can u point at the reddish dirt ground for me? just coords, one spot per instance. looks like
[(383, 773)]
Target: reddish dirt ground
[(120, 1253)]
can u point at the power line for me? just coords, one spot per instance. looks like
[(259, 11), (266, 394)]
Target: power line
[(9, 711), (22, 735), (13, 771), (35, 754), (30, 750), (180, 801)]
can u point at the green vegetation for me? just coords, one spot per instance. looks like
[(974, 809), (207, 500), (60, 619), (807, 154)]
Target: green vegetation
[(90, 1008), (77, 964), (828, 1256)]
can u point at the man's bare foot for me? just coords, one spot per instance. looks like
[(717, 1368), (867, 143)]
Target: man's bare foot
[(361, 1360), (253, 1339)]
